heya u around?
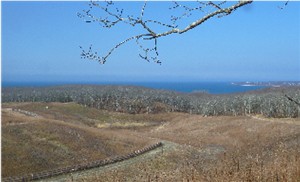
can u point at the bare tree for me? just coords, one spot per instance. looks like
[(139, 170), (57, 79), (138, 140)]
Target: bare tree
[(152, 28)]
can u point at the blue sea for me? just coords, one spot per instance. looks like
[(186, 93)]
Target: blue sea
[(185, 87)]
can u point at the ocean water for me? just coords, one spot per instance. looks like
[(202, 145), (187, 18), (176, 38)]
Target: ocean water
[(185, 87)]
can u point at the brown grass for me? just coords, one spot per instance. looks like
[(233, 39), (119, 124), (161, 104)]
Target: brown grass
[(32, 145), (196, 148)]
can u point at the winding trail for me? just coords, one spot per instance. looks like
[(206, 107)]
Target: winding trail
[(276, 120), (166, 146), (102, 169)]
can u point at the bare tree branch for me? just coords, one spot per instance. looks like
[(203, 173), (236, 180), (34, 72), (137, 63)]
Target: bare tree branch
[(114, 16), (292, 100), (285, 4), (227, 11), (93, 55)]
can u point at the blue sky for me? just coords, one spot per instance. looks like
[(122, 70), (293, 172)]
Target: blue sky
[(40, 43)]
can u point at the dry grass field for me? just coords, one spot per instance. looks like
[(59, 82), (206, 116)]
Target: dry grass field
[(196, 148)]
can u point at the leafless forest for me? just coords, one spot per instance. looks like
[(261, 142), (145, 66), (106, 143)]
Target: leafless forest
[(270, 102)]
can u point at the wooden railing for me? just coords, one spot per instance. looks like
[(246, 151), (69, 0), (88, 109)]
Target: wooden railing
[(81, 167)]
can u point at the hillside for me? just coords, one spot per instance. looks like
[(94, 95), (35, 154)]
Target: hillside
[(43, 136), (58, 139)]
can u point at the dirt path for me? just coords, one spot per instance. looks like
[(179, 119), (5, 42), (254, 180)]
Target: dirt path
[(294, 121)]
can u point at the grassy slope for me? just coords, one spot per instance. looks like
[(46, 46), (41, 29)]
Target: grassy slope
[(32, 144), (197, 148), (217, 149)]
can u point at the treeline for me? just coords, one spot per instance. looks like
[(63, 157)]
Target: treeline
[(271, 102)]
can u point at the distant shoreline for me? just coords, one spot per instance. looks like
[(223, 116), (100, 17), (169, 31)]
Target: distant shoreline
[(268, 84)]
